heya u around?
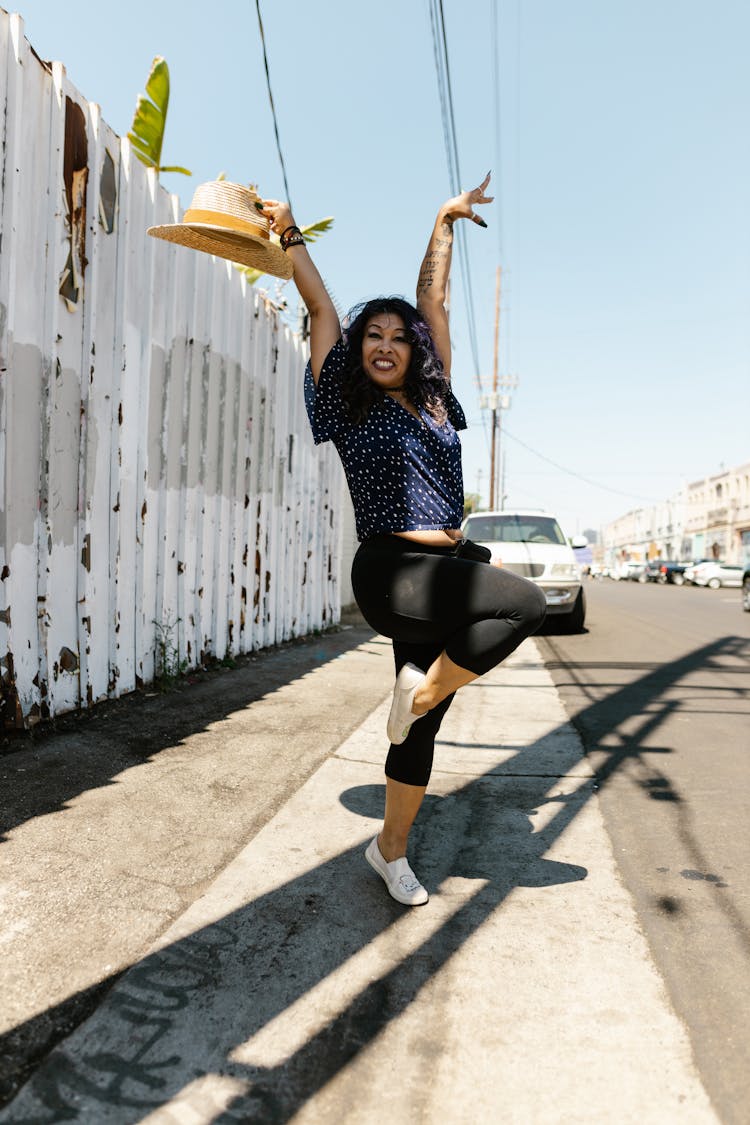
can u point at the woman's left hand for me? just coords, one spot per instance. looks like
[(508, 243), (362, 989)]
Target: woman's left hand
[(278, 214), (462, 206)]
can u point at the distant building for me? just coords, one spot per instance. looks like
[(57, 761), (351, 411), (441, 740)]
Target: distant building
[(708, 518), (717, 516)]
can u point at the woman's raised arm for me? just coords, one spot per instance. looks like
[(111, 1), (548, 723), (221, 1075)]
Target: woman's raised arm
[(433, 276), (325, 328)]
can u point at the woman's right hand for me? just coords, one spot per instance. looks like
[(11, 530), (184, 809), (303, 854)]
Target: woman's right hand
[(462, 206), (279, 214)]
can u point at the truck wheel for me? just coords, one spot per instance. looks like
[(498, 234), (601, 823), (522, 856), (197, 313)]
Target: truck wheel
[(575, 619)]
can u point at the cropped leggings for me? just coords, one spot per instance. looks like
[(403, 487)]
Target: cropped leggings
[(427, 601)]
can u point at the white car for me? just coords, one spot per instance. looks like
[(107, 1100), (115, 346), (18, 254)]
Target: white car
[(714, 575), (692, 568), (531, 544)]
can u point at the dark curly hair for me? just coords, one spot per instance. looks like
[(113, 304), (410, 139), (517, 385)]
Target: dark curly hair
[(425, 382)]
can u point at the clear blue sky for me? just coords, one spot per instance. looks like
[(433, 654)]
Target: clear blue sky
[(622, 175)]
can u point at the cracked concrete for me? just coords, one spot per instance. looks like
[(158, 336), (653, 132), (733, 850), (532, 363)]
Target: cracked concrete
[(292, 987)]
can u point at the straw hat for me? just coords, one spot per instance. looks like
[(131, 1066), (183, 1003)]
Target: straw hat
[(223, 219)]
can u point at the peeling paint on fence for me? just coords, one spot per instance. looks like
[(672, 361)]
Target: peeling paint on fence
[(156, 469)]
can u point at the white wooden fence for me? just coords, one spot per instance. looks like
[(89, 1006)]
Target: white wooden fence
[(157, 475)]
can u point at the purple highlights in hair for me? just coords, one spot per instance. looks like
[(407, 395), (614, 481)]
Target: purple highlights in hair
[(425, 381)]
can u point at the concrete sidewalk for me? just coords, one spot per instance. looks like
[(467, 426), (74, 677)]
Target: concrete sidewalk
[(295, 989)]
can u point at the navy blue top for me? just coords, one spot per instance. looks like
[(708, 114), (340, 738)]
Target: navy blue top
[(403, 472)]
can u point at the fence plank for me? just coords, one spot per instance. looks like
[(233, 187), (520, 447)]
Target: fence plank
[(94, 625), (66, 397), (25, 273), (156, 467)]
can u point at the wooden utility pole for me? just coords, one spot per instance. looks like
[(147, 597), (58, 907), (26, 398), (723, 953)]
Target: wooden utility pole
[(495, 410)]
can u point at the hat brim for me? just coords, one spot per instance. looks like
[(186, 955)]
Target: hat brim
[(246, 249)]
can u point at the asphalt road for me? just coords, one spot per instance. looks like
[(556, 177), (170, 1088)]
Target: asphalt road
[(659, 689)]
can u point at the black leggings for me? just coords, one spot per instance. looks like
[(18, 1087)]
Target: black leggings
[(428, 601)]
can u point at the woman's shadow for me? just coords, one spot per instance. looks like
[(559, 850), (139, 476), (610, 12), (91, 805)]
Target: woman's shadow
[(185, 1010), (478, 832)]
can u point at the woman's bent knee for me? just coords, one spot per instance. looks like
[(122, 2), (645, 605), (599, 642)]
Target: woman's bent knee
[(536, 611), (529, 608)]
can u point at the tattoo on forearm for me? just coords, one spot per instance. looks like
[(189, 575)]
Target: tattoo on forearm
[(435, 258)]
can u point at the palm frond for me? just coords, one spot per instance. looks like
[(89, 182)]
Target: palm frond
[(312, 232), (146, 132)]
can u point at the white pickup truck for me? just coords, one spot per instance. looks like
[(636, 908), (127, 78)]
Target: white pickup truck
[(531, 544)]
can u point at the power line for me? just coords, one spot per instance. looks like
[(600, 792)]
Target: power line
[(273, 107), (442, 69), (579, 476), (443, 96), (498, 220), (442, 65), (463, 247)]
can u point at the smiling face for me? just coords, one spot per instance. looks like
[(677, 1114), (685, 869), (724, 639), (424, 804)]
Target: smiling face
[(386, 351)]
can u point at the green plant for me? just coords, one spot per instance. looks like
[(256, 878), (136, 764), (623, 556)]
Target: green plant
[(310, 234), (472, 502), (149, 121), (167, 664)]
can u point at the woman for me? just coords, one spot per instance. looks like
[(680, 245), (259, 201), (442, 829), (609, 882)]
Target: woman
[(383, 396)]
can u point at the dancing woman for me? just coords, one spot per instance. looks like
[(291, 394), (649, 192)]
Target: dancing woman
[(382, 394)]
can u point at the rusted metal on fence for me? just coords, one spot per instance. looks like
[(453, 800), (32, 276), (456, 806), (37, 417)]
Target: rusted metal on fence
[(157, 476)]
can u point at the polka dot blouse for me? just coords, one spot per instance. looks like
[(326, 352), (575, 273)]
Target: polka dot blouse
[(404, 473)]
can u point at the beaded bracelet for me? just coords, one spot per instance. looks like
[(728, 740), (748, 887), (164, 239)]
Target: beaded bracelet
[(292, 236)]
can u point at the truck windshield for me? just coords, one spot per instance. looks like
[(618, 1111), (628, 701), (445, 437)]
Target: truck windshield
[(514, 529)]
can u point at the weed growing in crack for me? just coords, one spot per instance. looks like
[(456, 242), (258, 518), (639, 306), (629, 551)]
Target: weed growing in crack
[(167, 664)]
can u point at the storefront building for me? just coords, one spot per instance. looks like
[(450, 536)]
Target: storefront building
[(708, 518)]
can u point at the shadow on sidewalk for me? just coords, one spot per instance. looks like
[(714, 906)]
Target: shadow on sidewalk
[(84, 752), (262, 958)]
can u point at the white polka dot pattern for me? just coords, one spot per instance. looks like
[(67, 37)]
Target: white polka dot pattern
[(403, 474)]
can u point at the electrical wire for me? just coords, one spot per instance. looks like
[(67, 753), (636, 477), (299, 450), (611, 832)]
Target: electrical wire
[(498, 212), (445, 92), (442, 95), (579, 476), (273, 107), (442, 65)]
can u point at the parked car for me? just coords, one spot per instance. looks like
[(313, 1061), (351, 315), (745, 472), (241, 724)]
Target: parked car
[(636, 572), (691, 569), (618, 571), (531, 544), (652, 570), (663, 571), (746, 590), (715, 575)]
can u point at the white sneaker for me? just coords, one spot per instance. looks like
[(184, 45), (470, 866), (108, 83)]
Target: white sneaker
[(402, 883), (401, 716)]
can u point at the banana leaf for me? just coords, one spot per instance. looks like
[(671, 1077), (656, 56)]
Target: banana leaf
[(310, 233), (149, 121)]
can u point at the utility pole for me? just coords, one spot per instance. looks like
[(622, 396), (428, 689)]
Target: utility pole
[(493, 450), (498, 401), (502, 400)]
